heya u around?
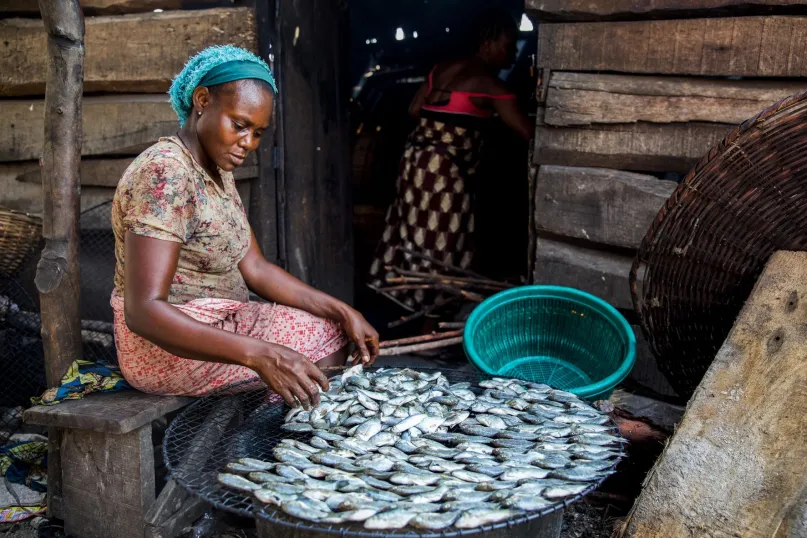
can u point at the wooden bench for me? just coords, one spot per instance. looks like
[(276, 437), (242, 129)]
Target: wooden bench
[(101, 472)]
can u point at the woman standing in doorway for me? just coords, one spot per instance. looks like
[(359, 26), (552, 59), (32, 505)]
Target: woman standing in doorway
[(433, 213)]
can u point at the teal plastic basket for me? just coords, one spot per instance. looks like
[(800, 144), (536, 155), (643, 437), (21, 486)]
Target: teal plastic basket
[(560, 336)]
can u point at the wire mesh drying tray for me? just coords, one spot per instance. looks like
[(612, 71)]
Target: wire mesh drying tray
[(217, 430)]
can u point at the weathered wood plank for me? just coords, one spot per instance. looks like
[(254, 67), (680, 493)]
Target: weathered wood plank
[(108, 482), (115, 412), (584, 98), (603, 274), (314, 187), (597, 204), (111, 7), (122, 125), (673, 147), (742, 46), (589, 10), (737, 462), (103, 172), (146, 63)]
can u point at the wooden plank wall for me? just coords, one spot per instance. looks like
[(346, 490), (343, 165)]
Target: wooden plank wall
[(631, 95), (128, 68)]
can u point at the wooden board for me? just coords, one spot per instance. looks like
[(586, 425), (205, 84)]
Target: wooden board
[(157, 45), (314, 199), (585, 98), (738, 461), (588, 10), (120, 125), (104, 172), (741, 46), (114, 412), (600, 273), (673, 147), (110, 7), (596, 204), (108, 482)]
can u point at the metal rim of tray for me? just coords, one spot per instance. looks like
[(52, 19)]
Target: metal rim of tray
[(187, 437)]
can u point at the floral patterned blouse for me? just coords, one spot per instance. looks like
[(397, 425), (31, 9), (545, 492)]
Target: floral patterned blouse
[(167, 195)]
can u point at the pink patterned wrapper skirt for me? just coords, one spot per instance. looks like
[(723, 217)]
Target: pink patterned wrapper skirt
[(151, 369)]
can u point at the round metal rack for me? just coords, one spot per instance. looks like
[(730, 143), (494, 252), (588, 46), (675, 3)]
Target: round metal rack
[(220, 429)]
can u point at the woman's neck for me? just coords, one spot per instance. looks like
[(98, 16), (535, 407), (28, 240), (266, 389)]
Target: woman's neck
[(187, 134)]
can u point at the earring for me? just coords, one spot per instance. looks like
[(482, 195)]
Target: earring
[(200, 112)]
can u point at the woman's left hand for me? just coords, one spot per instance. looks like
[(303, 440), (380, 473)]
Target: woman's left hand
[(363, 334)]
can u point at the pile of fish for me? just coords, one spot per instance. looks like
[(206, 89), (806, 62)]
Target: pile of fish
[(397, 447)]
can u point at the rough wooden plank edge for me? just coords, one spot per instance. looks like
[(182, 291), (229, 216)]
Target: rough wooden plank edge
[(600, 273), (89, 412), (735, 466), (586, 98), (610, 207), (112, 7), (145, 64), (732, 46), (107, 172), (674, 147), (612, 10)]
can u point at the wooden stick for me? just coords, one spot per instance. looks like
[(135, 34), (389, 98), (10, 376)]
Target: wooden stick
[(451, 324), (391, 298), (440, 263), (419, 314), (443, 278), (57, 274), (402, 350), (418, 339)]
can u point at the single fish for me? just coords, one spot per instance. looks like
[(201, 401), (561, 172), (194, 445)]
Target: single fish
[(237, 482), (414, 479), (260, 477), (406, 491), (302, 510), (474, 518), (469, 476), (383, 439), (394, 519), (567, 490), (434, 521), (524, 473), (526, 503), (577, 474), (394, 453), (496, 486), (481, 431), (271, 497), (287, 471), (297, 427), (407, 423), (368, 429), (489, 470), (491, 421)]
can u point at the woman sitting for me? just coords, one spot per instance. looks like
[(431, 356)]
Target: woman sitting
[(187, 257)]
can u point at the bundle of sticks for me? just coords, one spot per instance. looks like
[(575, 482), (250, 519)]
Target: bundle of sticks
[(455, 283)]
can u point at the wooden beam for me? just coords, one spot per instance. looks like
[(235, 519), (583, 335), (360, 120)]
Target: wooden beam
[(584, 98), (673, 147), (103, 172), (737, 463), (736, 46), (603, 274), (590, 10), (112, 7), (124, 53), (266, 215), (120, 125), (57, 274), (605, 206), (315, 194)]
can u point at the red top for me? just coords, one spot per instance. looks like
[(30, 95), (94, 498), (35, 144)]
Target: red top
[(460, 102)]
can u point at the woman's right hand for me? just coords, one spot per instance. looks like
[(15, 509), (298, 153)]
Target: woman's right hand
[(290, 375)]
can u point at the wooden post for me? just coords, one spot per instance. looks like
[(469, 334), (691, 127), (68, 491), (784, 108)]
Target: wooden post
[(314, 203), (738, 461), (57, 274)]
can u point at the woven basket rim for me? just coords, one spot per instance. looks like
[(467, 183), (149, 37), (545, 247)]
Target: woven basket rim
[(32, 218)]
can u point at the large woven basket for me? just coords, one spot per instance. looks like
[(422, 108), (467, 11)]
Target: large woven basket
[(20, 234), (698, 263)]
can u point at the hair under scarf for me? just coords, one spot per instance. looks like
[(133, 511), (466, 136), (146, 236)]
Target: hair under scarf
[(212, 66)]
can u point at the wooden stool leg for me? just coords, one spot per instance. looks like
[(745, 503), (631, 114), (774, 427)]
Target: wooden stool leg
[(107, 482)]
